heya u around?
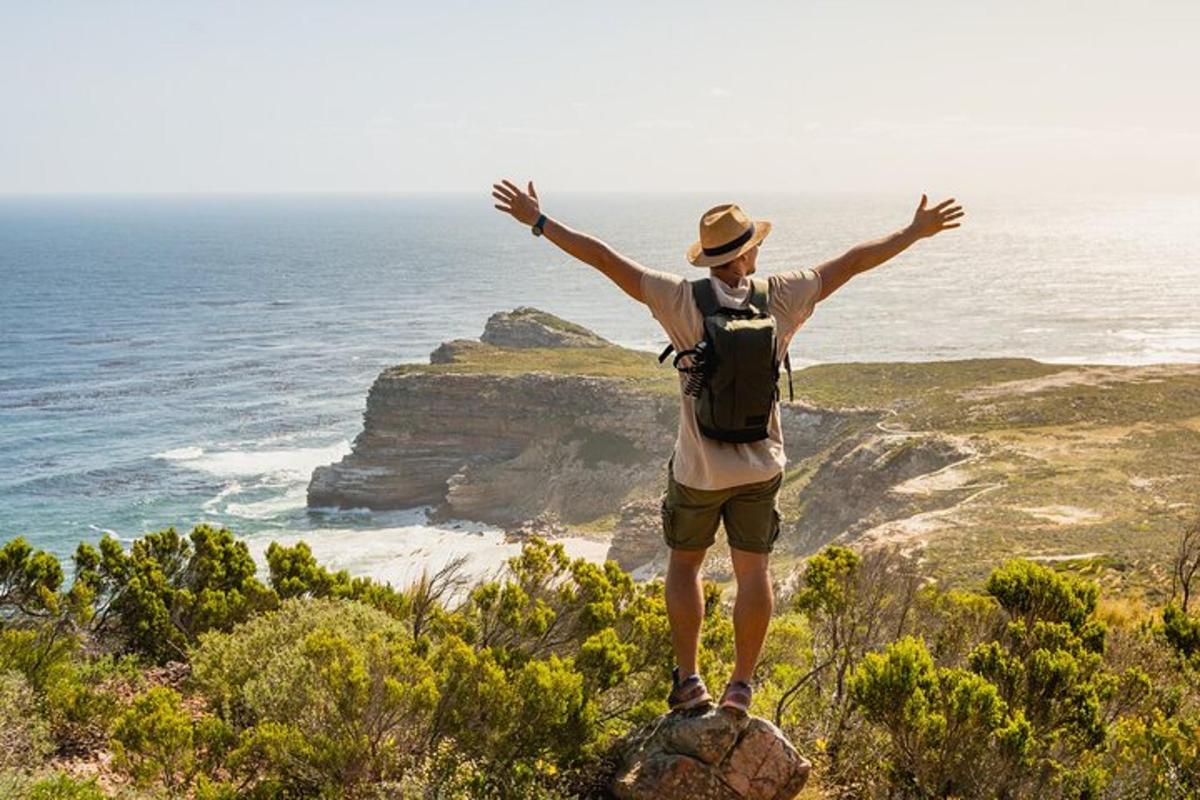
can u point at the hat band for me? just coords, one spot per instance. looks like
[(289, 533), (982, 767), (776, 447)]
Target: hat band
[(729, 247)]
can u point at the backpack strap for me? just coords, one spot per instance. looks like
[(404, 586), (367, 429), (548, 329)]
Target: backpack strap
[(787, 363), (760, 295), (705, 296)]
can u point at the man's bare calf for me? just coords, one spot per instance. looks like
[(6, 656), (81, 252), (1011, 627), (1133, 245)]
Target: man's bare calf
[(752, 608)]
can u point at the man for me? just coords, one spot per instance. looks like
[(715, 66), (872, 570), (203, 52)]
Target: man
[(710, 481)]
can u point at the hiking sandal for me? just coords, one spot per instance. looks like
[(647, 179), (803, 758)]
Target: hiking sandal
[(691, 693), (736, 697)]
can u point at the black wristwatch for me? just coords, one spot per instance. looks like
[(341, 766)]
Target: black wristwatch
[(537, 226)]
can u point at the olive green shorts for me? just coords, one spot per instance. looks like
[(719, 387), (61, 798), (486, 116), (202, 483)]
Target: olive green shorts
[(750, 513)]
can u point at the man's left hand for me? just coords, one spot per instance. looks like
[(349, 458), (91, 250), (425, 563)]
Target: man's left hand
[(521, 205)]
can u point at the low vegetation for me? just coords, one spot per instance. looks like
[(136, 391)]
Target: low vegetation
[(172, 669)]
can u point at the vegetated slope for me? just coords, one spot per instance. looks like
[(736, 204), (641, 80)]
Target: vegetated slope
[(967, 462)]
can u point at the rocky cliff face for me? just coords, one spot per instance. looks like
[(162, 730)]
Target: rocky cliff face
[(503, 448), (499, 448)]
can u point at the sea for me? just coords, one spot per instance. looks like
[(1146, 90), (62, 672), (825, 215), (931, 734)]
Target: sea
[(171, 360)]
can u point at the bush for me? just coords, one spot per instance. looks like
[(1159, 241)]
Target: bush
[(57, 786), (350, 688), (950, 731), (157, 598), (1182, 632), (24, 732), (154, 740), (327, 693)]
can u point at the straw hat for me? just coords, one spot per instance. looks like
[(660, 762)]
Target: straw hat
[(725, 233)]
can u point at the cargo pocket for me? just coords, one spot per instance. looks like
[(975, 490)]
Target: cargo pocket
[(668, 520), (776, 524)]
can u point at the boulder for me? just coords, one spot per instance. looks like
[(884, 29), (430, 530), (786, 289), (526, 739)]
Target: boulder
[(448, 352), (526, 327), (710, 755)]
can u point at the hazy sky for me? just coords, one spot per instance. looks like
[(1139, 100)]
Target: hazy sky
[(965, 97)]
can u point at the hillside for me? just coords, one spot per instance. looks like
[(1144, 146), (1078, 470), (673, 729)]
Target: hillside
[(965, 463)]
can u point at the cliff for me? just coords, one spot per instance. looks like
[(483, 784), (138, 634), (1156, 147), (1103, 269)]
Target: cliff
[(966, 461)]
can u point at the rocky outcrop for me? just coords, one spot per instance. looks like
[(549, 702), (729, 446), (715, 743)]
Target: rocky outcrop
[(526, 327), (501, 448), (451, 351), (504, 448), (714, 755)]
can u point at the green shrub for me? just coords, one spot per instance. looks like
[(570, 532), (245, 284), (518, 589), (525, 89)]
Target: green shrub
[(950, 732), (295, 573), (1182, 631), (1155, 757), (327, 692), (24, 732), (154, 740), (29, 581), (57, 786), (1033, 592), (157, 598)]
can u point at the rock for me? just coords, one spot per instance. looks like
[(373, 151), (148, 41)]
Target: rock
[(714, 755), (545, 525), (526, 327), (448, 352)]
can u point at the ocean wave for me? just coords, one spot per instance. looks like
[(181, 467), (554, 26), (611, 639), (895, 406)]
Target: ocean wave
[(231, 488), (180, 453), (268, 509), (277, 464)]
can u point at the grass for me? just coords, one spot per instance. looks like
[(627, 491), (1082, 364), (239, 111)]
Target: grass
[(602, 362)]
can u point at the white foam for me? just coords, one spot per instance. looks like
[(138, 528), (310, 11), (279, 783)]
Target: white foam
[(180, 453), (266, 509), (233, 487), (279, 464)]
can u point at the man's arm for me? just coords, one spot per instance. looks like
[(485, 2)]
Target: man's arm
[(860, 258), (524, 207)]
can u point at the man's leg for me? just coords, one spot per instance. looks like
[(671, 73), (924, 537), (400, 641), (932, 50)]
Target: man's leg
[(690, 520), (752, 524), (685, 606), (751, 610)]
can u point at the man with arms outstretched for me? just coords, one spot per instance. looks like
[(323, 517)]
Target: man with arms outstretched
[(711, 481)]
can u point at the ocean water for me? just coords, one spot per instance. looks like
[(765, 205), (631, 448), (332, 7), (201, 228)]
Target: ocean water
[(172, 360)]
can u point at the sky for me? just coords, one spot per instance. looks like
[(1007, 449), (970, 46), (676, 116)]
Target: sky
[(1015, 97)]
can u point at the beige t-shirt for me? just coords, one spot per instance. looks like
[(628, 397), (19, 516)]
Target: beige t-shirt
[(701, 462)]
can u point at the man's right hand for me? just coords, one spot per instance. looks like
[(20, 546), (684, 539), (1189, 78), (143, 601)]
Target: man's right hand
[(928, 221), (521, 206)]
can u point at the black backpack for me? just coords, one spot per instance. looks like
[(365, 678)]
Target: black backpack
[(733, 372)]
